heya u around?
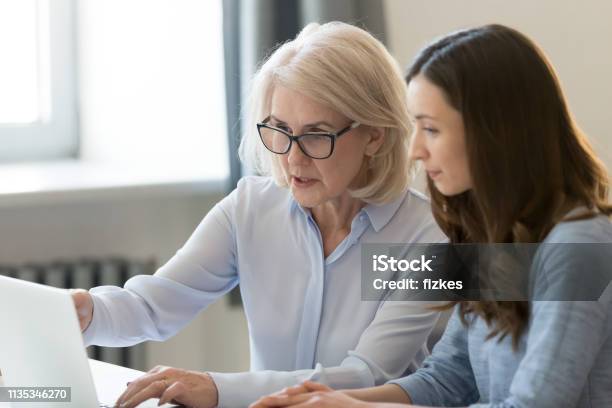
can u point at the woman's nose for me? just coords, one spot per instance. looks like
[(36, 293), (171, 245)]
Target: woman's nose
[(417, 149), (296, 155)]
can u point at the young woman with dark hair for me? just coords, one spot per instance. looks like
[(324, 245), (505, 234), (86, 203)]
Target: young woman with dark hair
[(506, 163)]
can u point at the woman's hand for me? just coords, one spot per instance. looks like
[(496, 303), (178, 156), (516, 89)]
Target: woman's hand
[(307, 394), (320, 399), (289, 395), (312, 394), (84, 306), (190, 388)]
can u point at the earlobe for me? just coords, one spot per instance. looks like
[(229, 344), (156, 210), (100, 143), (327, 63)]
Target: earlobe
[(376, 138)]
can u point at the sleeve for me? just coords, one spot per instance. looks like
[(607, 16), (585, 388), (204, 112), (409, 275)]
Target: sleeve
[(157, 307), (564, 337), (446, 378), (385, 350)]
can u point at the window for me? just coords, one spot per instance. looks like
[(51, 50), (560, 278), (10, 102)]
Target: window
[(151, 85), (37, 80)]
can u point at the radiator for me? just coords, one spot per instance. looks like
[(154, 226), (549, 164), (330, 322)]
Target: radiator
[(86, 274)]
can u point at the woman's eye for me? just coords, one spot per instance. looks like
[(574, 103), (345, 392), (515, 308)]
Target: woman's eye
[(430, 130)]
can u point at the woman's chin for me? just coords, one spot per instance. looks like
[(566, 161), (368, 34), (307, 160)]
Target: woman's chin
[(450, 191), (305, 199), (304, 202)]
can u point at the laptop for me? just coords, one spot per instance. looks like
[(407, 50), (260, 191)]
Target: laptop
[(41, 346)]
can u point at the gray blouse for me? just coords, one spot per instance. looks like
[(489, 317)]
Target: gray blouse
[(564, 359)]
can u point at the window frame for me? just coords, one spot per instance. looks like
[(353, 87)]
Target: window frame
[(55, 134)]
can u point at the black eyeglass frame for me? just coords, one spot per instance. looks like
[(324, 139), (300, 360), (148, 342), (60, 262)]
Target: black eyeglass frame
[(331, 135)]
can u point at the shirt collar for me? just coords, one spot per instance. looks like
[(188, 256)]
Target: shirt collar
[(381, 214), (294, 206)]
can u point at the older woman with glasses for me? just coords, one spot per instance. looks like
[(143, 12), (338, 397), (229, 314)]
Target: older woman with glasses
[(328, 130)]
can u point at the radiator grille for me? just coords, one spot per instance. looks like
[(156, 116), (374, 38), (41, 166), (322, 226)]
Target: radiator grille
[(85, 274)]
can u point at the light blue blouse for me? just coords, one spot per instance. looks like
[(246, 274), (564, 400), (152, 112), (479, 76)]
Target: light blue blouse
[(305, 314), (565, 357)]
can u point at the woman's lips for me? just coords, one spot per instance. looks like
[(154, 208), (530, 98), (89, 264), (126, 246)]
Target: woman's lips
[(302, 182), (433, 174)]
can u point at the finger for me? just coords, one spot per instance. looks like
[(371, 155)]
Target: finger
[(315, 386), (311, 403), (131, 389), (314, 400), (157, 369), (257, 404), (296, 389), (173, 392), (279, 400), (137, 385), (75, 292), (80, 300), (284, 400), (284, 391), (124, 395), (261, 402), (154, 390)]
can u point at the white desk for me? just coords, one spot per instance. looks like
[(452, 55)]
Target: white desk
[(110, 381)]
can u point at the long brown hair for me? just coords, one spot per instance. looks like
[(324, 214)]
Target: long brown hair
[(529, 161)]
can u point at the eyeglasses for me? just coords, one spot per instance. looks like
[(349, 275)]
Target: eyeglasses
[(316, 145)]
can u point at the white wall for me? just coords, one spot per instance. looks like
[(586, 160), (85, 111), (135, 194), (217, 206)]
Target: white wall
[(574, 34)]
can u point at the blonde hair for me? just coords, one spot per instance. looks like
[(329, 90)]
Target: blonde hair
[(346, 69)]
